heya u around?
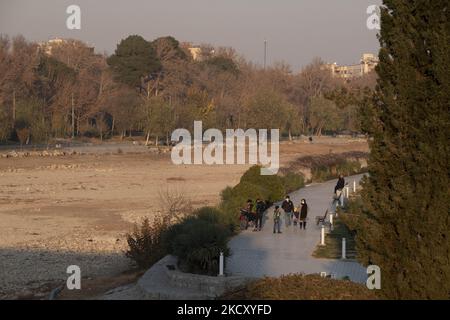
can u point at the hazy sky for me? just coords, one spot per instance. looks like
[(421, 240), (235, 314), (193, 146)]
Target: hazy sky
[(296, 30)]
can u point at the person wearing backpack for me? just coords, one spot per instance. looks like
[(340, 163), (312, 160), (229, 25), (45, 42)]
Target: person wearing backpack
[(277, 220), (288, 208)]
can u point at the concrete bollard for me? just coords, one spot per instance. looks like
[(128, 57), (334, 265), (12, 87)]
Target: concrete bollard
[(344, 255), (347, 189), (322, 236), (221, 265), (354, 186)]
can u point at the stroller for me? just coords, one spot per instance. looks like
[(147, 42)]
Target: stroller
[(246, 219)]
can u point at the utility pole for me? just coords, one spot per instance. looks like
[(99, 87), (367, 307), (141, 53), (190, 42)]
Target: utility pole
[(73, 118), (265, 53)]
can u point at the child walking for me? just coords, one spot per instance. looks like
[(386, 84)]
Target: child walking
[(277, 220)]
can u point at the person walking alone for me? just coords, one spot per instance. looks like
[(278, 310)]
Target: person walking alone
[(303, 214), (338, 190), (277, 220), (288, 208)]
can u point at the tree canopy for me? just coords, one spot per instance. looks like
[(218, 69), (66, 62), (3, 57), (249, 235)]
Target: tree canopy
[(134, 59)]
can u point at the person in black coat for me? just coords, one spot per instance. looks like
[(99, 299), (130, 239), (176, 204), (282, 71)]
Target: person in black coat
[(303, 214), (288, 208), (340, 184), (339, 191), (260, 208)]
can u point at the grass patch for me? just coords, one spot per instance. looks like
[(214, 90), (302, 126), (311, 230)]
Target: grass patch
[(333, 243), (292, 181)]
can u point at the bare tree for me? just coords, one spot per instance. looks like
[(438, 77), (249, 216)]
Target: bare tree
[(174, 203)]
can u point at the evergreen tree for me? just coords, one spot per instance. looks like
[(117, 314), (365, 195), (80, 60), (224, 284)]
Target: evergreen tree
[(405, 225), (134, 61)]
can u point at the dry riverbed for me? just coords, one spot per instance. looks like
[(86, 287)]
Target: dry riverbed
[(76, 209)]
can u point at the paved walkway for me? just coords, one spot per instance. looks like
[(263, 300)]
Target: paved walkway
[(263, 253)]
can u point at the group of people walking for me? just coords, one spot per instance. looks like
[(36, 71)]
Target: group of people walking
[(292, 215), (253, 213)]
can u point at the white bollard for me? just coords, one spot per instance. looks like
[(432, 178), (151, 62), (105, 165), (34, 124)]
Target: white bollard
[(343, 249), (221, 265), (348, 190), (331, 222), (322, 236), (354, 186)]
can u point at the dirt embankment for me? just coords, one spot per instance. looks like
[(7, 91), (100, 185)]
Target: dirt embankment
[(305, 165)]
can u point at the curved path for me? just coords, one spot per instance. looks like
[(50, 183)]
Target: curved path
[(263, 253)]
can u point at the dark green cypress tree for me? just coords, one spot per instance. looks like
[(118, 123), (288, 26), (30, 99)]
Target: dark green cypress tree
[(405, 225), (134, 59)]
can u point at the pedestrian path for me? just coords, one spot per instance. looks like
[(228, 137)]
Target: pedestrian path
[(263, 253)]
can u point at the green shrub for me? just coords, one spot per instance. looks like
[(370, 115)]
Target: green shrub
[(251, 186), (292, 181), (198, 240), (270, 185), (145, 245), (236, 199), (226, 194), (215, 216)]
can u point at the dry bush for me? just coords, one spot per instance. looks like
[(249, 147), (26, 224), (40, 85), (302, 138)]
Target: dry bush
[(145, 245), (175, 204), (302, 287)]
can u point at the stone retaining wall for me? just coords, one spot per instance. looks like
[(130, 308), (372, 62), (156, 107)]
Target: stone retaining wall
[(161, 283)]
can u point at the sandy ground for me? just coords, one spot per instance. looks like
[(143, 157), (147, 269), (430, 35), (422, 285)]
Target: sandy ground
[(76, 210)]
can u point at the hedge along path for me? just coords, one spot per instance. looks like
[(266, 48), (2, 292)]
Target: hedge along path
[(259, 254)]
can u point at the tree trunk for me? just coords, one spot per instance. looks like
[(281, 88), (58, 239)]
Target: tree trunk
[(112, 126), (148, 138), (14, 109)]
